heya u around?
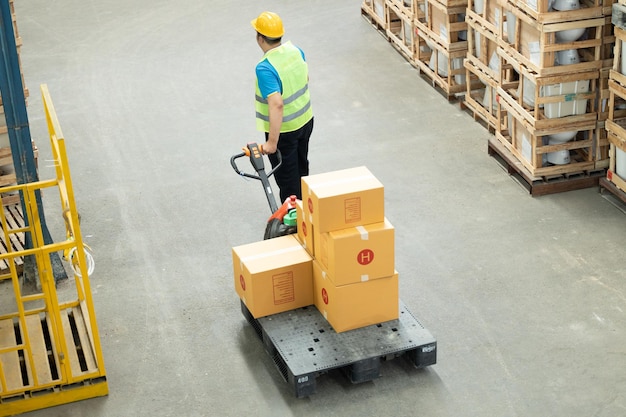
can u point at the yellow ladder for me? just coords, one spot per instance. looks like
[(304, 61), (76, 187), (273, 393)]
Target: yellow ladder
[(50, 351)]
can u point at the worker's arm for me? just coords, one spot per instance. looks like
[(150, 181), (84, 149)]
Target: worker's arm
[(275, 104)]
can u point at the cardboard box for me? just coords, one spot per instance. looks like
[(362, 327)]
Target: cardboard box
[(341, 199), (357, 254), (352, 306), (274, 275), (305, 229)]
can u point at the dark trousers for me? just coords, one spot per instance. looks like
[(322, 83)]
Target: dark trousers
[(294, 148)]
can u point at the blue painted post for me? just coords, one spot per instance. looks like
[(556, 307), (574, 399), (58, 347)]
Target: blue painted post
[(14, 102)]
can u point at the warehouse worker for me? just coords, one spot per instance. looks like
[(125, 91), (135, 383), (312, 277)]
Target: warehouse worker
[(283, 104)]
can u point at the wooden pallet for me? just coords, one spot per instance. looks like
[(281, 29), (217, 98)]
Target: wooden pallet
[(608, 185), (535, 45), (45, 368), (374, 12), (604, 99), (482, 45), (616, 120), (532, 149), (15, 220), (407, 11), (444, 26), (608, 43), (601, 146), (443, 67), (401, 31), (549, 109), (7, 174), (492, 18), (42, 366), (477, 101), (540, 11), (538, 186)]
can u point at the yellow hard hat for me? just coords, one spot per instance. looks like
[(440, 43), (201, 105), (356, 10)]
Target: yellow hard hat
[(269, 24)]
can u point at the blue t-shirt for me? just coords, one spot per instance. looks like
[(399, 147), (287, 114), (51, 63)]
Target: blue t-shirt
[(268, 79)]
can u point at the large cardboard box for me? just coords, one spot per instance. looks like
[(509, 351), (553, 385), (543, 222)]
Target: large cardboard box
[(352, 306), (274, 275), (357, 254), (340, 199), (305, 229)]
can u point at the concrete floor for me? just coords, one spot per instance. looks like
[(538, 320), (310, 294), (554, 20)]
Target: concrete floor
[(526, 296)]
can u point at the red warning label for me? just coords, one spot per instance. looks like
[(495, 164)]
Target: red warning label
[(303, 227), (242, 282), (325, 296), (365, 257)]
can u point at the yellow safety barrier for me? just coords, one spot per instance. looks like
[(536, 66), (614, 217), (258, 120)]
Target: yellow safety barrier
[(50, 351)]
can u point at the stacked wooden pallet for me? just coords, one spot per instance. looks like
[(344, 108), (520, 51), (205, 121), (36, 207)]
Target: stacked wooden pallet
[(485, 32), (7, 171), (375, 11), (616, 119), (536, 72), (443, 29), (430, 34), (547, 116), (400, 30)]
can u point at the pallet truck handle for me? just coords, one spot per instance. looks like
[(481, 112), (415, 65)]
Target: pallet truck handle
[(254, 152)]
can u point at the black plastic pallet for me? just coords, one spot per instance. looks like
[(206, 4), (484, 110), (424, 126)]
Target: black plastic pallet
[(303, 346)]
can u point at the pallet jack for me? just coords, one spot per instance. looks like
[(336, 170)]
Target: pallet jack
[(302, 344), (283, 219)]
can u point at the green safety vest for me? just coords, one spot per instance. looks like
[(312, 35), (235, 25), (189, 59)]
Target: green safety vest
[(293, 73)]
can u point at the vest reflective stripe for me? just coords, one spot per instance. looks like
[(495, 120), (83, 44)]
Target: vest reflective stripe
[(293, 73), (286, 118), (296, 95)]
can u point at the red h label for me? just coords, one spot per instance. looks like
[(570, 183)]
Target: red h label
[(325, 296), (365, 257), (242, 281)]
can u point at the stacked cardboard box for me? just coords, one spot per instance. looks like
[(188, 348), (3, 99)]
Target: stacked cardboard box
[(341, 260), (355, 282)]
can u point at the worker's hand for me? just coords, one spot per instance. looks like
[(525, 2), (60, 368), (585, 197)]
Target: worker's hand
[(269, 147)]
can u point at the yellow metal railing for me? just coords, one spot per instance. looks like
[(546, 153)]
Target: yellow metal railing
[(48, 343)]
